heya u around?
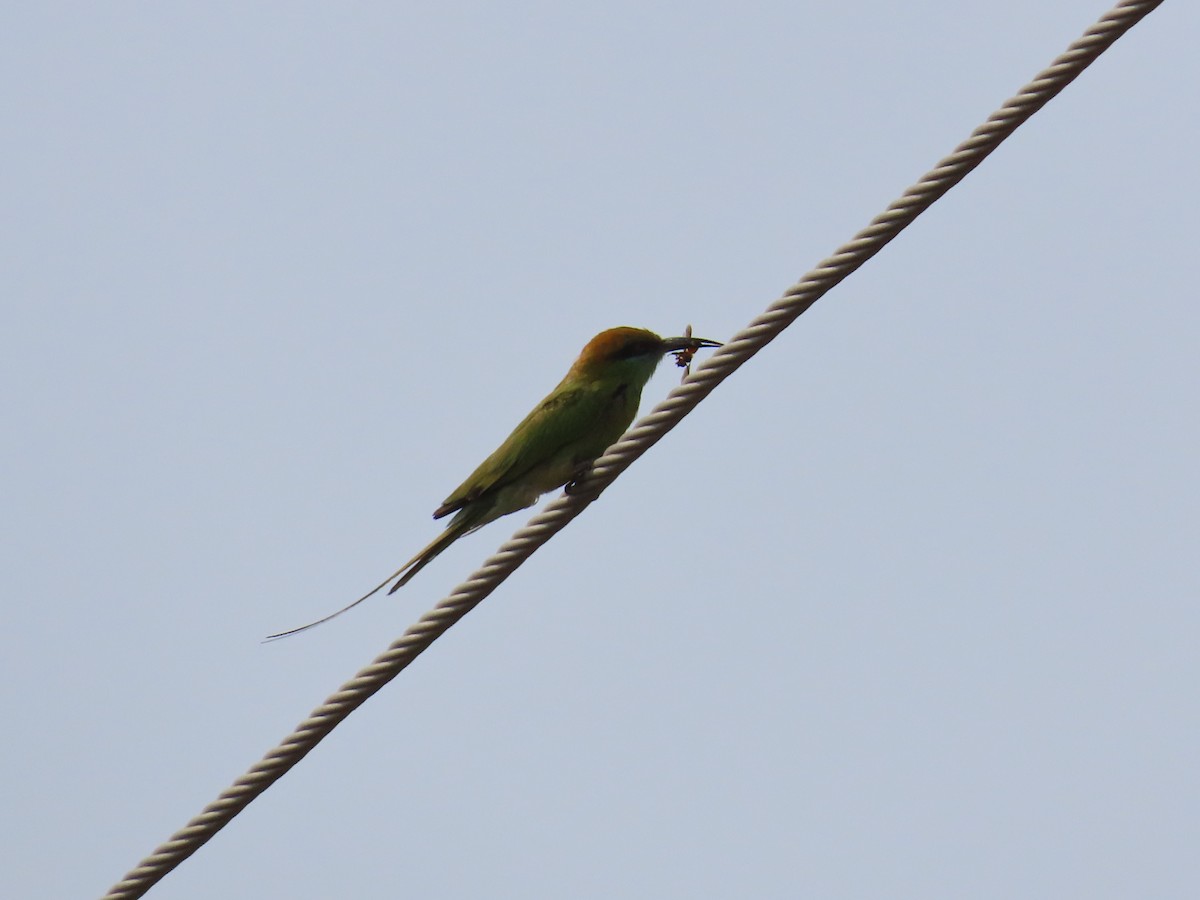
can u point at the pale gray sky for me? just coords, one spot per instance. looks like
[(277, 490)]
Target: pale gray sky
[(909, 608)]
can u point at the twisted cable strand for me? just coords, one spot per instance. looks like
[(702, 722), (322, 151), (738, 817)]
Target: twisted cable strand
[(644, 434)]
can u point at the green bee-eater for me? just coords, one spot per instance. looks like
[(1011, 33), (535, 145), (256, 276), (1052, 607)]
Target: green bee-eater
[(591, 407)]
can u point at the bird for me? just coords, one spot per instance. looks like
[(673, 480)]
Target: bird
[(552, 446)]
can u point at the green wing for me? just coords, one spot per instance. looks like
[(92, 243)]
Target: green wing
[(568, 428)]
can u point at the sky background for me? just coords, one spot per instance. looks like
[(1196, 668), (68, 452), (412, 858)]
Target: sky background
[(909, 607)]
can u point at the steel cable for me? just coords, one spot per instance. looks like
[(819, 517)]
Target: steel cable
[(645, 433)]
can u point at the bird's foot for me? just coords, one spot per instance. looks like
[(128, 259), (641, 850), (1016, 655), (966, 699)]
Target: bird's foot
[(578, 480)]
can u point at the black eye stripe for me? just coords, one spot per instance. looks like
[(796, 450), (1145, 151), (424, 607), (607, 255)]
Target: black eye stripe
[(637, 348)]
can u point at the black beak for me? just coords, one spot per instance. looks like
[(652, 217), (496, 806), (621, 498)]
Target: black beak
[(690, 344)]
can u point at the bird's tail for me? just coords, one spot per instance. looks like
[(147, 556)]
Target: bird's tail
[(453, 532)]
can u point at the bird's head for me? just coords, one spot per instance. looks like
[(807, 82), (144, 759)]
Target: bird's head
[(634, 351)]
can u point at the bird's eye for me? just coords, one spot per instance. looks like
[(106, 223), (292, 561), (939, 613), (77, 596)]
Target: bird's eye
[(636, 348)]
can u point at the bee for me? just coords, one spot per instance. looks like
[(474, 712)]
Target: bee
[(683, 358)]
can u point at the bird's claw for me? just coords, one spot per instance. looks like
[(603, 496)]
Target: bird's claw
[(578, 480)]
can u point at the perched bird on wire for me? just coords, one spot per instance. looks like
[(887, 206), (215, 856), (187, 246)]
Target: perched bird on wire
[(555, 444)]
